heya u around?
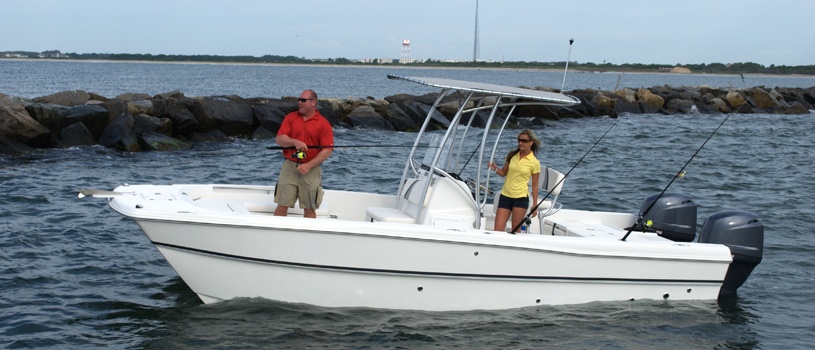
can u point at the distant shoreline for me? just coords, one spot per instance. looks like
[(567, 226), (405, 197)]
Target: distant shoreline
[(390, 66)]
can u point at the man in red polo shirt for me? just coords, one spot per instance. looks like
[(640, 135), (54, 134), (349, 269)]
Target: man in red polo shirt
[(312, 140)]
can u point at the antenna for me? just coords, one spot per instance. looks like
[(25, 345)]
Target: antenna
[(475, 44), (571, 40)]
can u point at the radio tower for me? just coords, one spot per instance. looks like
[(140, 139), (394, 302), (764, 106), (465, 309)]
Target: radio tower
[(475, 44), (405, 52)]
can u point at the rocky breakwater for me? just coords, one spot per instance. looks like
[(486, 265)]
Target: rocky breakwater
[(171, 121)]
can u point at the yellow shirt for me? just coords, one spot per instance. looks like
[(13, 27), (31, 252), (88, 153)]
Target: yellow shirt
[(520, 170)]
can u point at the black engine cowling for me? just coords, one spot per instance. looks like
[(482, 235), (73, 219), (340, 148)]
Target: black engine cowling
[(673, 216), (743, 233)]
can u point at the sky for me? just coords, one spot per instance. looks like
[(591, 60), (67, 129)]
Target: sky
[(618, 32)]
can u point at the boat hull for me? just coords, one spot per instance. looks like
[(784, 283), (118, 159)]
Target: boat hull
[(396, 266)]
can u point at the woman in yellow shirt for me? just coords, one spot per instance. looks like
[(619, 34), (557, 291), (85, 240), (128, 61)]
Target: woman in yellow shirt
[(520, 166)]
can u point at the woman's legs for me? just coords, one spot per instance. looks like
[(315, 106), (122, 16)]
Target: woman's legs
[(501, 217), (518, 214)]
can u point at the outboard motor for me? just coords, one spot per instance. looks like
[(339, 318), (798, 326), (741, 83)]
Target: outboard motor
[(743, 233), (673, 216)]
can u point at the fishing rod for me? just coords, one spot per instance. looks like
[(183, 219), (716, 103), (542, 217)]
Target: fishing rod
[(679, 174), (528, 215), (571, 41), (342, 146), (300, 155)]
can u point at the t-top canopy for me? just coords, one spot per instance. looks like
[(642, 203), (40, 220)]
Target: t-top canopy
[(550, 98)]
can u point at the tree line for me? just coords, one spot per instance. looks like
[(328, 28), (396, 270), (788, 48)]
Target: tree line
[(712, 68)]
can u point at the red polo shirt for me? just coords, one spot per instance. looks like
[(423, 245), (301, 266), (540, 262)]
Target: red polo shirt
[(315, 131)]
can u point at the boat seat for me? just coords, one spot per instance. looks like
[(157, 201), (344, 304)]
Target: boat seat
[(412, 195), (385, 214), (550, 180)]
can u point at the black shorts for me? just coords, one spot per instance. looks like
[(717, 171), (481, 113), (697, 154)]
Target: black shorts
[(509, 203)]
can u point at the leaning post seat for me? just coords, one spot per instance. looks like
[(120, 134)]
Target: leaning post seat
[(408, 206)]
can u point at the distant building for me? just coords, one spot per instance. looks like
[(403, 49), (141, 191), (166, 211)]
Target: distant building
[(376, 60), (13, 55), (52, 54)]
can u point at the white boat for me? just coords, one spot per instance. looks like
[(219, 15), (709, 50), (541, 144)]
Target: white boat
[(430, 245)]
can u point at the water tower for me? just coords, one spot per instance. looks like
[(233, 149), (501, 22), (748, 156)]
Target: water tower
[(405, 52)]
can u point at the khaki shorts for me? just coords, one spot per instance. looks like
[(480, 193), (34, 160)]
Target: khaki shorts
[(292, 187)]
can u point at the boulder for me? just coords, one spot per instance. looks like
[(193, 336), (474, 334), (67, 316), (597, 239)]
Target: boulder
[(96, 98), (163, 106), (262, 133), (331, 116), (778, 97), (115, 108), (437, 120), (17, 124), (74, 135), (154, 141), (268, 117), (143, 123), (212, 135), (66, 98), (427, 99), (119, 134), (139, 107), (627, 94), (183, 122), (681, 106), (744, 108), (799, 95), (585, 107), (534, 111), (450, 108), (379, 106), (479, 119), (605, 105), (568, 112), (94, 117), (170, 94), (665, 91), (649, 102), (11, 147), (690, 94), (735, 99), (411, 109), (216, 113), (762, 99), (719, 105), (399, 119), (714, 92), (49, 115), (131, 96), (622, 105), (796, 108), (365, 117), (809, 97)]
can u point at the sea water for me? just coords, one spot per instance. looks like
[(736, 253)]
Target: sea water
[(74, 274)]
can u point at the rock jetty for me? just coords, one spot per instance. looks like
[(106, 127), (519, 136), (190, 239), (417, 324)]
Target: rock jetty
[(135, 122)]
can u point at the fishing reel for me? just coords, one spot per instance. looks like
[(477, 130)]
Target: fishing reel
[(642, 225), (299, 155)]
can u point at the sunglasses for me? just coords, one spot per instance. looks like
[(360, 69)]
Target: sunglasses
[(303, 100), (523, 140)]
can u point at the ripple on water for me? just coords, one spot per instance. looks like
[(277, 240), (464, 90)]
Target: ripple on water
[(74, 274)]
